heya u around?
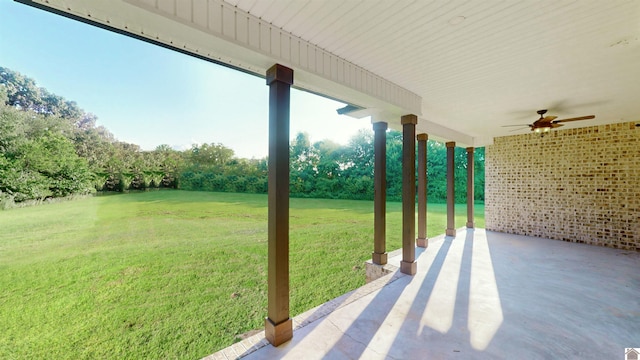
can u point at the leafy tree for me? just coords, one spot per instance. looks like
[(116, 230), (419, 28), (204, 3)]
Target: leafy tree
[(303, 165), (12, 131), (394, 165), (170, 163), (359, 156), (330, 159), (478, 189), (41, 166), (53, 156), (23, 93), (436, 171), (37, 126), (210, 155), (20, 183)]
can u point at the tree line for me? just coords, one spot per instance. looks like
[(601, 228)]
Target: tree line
[(328, 170), (50, 147)]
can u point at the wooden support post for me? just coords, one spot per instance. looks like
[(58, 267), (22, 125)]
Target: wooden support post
[(379, 255), (470, 180), (408, 264), (422, 240), (278, 324), (451, 227)]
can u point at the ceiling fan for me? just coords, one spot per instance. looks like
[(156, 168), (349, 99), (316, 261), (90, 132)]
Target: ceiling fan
[(546, 123)]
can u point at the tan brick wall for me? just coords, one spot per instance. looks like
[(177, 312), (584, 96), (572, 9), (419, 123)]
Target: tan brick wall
[(579, 185)]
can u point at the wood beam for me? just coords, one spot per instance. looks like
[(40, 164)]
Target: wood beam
[(422, 240), (278, 324), (451, 227), (408, 264), (379, 255), (470, 181)]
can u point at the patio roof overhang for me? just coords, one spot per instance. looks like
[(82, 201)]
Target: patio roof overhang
[(222, 33), (465, 69)]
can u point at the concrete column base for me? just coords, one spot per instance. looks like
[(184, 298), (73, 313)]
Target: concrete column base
[(470, 225), (423, 243), (450, 232), (278, 334), (409, 268), (376, 271), (379, 259)]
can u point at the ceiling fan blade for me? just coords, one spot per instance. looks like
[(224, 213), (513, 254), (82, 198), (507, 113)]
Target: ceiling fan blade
[(515, 125), (554, 125), (514, 130), (575, 119), (550, 118)]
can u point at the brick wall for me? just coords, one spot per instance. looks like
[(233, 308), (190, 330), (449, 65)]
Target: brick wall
[(579, 185)]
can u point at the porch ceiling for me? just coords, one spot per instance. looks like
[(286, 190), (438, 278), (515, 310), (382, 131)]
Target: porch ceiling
[(479, 65), (465, 67)]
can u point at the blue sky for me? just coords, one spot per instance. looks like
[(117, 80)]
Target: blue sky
[(148, 95)]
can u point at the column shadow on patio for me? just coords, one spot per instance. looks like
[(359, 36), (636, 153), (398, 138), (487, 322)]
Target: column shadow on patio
[(370, 326), (487, 295)]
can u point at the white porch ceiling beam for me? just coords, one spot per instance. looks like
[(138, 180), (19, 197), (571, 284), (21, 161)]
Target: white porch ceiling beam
[(221, 32), (317, 70)]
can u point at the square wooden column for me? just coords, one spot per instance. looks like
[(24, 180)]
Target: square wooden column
[(422, 240), (379, 255), (470, 180), (451, 227), (408, 264), (278, 324)]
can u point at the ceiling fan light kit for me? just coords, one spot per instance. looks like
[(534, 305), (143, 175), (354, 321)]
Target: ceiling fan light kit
[(545, 123)]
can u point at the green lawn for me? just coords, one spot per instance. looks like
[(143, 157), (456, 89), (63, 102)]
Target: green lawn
[(171, 274)]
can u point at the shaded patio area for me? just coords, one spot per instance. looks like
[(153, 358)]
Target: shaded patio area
[(480, 295)]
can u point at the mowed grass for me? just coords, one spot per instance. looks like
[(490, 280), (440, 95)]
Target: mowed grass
[(171, 274)]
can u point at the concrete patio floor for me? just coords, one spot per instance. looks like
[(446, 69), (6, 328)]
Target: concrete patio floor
[(480, 295)]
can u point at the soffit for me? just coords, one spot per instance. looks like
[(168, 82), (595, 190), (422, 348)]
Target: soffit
[(473, 66), (497, 66)]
